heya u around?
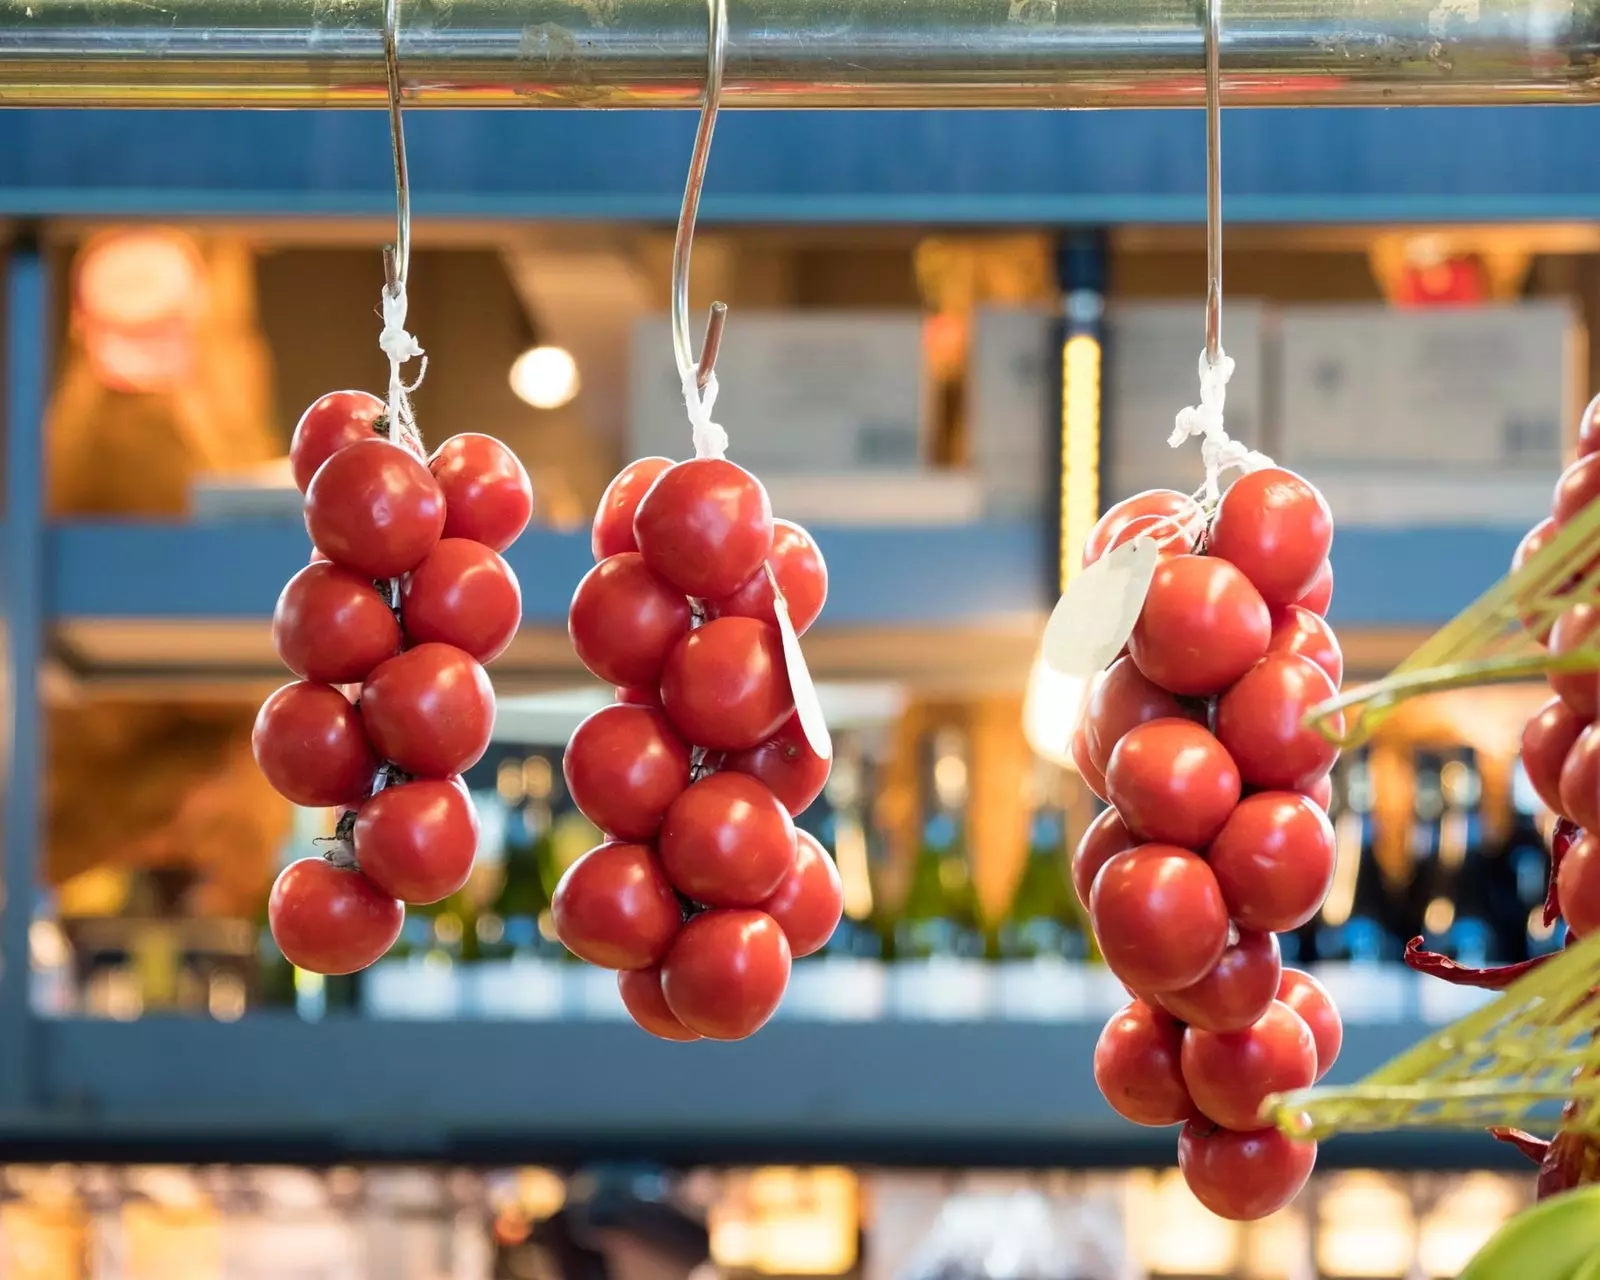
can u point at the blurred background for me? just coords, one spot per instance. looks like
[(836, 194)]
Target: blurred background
[(946, 400)]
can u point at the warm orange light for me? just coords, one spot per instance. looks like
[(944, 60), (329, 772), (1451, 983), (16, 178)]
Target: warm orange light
[(137, 306)]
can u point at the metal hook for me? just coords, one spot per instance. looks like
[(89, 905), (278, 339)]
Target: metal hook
[(1213, 38), (717, 50), (396, 257)]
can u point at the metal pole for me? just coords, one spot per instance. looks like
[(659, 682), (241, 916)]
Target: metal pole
[(797, 53)]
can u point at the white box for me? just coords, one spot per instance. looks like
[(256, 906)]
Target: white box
[(1419, 417), (812, 392)]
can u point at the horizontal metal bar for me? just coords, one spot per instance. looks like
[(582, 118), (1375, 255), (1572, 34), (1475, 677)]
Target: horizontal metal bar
[(796, 53)]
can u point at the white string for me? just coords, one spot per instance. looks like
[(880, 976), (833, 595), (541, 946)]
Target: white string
[(400, 347), (1218, 452), (710, 440)]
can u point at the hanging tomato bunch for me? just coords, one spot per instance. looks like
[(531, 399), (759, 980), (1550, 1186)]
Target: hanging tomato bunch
[(1217, 837), (388, 628), (704, 890)]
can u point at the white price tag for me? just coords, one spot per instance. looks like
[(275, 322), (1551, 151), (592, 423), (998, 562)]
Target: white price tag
[(806, 703), (1096, 614)]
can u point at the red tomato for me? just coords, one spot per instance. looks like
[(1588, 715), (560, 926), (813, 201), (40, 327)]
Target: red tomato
[(462, 594), (1573, 633), (331, 625), (705, 526), (1173, 783), (809, 900), (416, 841), (1277, 529), (726, 973), (639, 697), (725, 685), (1320, 792), (487, 495), (1578, 486), (646, 1005), (329, 919), (624, 620), (1299, 631), (1243, 1176), (1136, 1066), (1238, 989), (309, 742), (374, 509), (1274, 860), (1202, 626), (1536, 622), (787, 764), (624, 767), (1578, 885), (1580, 779), (1547, 738), (615, 909), (1121, 698), (430, 710), (1093, 776), (1231, 1073), (1320, 594), (613, 522), (333, 421), (727, 842), (1310, 999), (1159, 916), (802, 577), (1261, 723), (1589, 429), (1105, 838), (1156, 512)]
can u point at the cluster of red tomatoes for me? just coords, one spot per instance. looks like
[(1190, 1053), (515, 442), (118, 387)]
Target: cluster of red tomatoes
[(704, 889), (1217, 837), (388, 628), (1561, 743)]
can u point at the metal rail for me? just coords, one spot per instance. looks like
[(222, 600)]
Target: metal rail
[(797, 53)]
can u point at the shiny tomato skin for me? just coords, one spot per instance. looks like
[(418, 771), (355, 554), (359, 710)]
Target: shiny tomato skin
[(416, 841), (787, 764), (625, 620), (727, 841), (1320, 792), (809, 901), (1274, 860), (1320, 593), (1536, 622), (1203, 626), (1238, 989), (374, 509), (615, 909), (1580, 780), (725, 685), (1299, 631), (1148, 513), (488, 497), (1159, 917), (647, 1006), (332, 626), (1547, 739), (1578, 885), (1136, 1066), (309, 742), (802, 577), (331, 920), (1173, 782), (462, 594), (612, 533), (1261, 722), (1578, 486), (430, 710), (624, 766), (1276, 528), (705, 526), (726, 974), (1589, 429), (1102, 840), (1243, 1176), (1231, 1074), (332, 421), (1572, 633), (1093, 776), (636, 697), (1310, 999), (1120, 699)]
